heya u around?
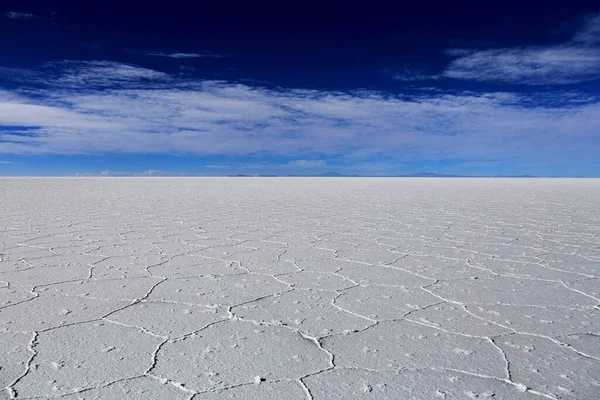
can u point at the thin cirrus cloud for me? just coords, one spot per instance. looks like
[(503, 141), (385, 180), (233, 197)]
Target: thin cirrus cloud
[(19, 15), (410, 76), (84, 75), (90, 74), (590, 30), (577, 60), (307, 163), (108, 107), (178, 55), (531, 65)]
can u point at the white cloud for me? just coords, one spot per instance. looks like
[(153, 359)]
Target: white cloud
[(205, 54), (590, 30), (17, 15), (217, 166), (153, 172), (86, 74), (308, 163), (575, 61), (144, 111), (411, 76), (530, 65)]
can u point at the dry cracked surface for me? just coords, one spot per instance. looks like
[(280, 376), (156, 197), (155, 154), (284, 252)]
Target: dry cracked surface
[(298, 288)]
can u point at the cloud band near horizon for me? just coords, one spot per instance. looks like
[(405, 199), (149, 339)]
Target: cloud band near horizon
[(107, 107)]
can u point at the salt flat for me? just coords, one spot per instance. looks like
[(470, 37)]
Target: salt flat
[(299, 288)]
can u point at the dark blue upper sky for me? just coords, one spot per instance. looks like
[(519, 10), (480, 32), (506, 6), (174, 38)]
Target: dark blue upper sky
[(478, 88)]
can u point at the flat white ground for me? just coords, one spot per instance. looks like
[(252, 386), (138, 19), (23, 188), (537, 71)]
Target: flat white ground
[(293, 288)]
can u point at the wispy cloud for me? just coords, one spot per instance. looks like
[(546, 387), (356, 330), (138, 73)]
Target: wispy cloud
[(217, 166), (204, 54), (575, 61), (531, 65), (149, 172), (589, 33), (410, 76), (89, 74), (18, 15), (307, 163), (104, 107), (82, 75)]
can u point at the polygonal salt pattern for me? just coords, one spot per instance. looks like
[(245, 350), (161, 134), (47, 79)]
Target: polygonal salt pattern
[(299, 288)]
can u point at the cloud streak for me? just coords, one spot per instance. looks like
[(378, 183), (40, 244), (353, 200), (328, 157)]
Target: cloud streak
[(577, 60), (19, 15), (178, 55), (590, 30), (307, 163), (530, 65), (410, 76)]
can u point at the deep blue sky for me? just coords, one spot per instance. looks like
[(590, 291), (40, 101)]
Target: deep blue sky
[(478, 88)]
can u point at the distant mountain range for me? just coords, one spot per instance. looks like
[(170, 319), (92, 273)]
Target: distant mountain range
[(415, 175)]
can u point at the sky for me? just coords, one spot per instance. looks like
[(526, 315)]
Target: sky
[(185, 88)]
